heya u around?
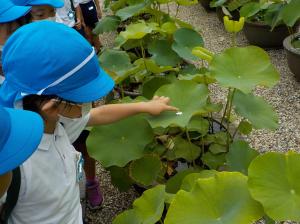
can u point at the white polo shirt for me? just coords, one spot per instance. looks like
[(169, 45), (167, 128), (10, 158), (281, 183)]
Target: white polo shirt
[(49, 192), (62, 13)]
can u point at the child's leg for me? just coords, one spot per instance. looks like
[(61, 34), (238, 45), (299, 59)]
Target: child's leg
[(94, 195)]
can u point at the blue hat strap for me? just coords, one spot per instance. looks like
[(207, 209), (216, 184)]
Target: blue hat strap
[(67, 75)]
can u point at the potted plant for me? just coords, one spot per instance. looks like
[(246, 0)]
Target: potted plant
[(264, 26), (291, 45)]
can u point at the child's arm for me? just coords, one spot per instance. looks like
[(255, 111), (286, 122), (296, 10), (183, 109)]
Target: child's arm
[(79, 22), (113, 112)]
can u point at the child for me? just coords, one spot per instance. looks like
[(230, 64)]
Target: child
[(11, 18), (59, 80), (71, 15), (21, 132), (91, 12), (41, 9)]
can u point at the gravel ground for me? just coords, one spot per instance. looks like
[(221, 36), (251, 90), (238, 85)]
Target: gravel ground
[(285, 98)]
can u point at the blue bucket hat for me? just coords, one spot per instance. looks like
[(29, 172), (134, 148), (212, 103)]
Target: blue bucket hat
[(53, 3), (10, 12), (48, 58), (21, 133)]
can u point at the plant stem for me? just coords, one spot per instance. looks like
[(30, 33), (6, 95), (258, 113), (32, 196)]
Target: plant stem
[(233, 40), (226, 107), (168, 7), (189, 139), (122, 90), (177, 10), (237, 128)]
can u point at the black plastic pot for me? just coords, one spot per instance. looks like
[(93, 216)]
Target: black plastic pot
[(205, 4), (293, 55), (261, 35), (235, 14)]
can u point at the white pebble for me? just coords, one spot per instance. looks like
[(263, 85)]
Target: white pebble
[(179, 113)]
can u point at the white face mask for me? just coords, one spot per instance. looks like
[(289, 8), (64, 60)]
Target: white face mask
[(85, 109), (3, 199)]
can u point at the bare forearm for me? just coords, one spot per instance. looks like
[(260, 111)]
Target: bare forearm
[(114, 112)]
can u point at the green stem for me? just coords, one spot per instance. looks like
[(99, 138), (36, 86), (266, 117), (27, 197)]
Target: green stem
[(177, 10), (233, 40), (144, 55), (122, 90), (237, 128), (226, 107), (168, 7), (189, 139)]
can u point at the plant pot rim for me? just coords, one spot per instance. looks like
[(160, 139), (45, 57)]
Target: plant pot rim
[(262, 24), (288, 45)]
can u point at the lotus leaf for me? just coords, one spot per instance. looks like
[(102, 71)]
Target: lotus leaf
[(256, 110), (150, 205), (114, 60), (107, 24), (199, 124), (213, 161), (184, 41), (240, 156), (217, 148), (169, 27), (245, 127), (137, 30), (187, 2), (188, 96), (291, 13), (185, 149), (274, 182), (150, 86), (129, 216), (163, 53), (151, 66), (174, 183), (190, 180), (120, 178), (223, 198), (132, 10), (145, 170), (114, 145), (244, 68)]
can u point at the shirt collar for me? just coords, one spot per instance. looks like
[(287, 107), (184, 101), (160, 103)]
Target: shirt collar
[(48, 138)]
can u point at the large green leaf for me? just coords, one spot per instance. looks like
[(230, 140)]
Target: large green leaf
[(250, 9), (187, 2), (291, 13), (151, 85), (256, 110), (274, 181), (185, 149), (120, 178), (151, 66), (174, 183), (199, 124), (240, 156), (129, 216), (163, 53), (190, 180), (188, 96), (107, 24), (244, 68), (145, 170), (223, 198), (114, 145), (114, 60), (132, 10), (213, 161), (138, 30), (184, 41)]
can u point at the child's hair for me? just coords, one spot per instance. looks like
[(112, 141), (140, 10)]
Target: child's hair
[(10, 28)]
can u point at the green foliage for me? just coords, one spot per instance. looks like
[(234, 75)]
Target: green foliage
[(146, 210), (152, 85), (120, 177), (183, 46), (244, 68), (223, 198), (185, 149), (132, 10), (240, 156), (190, 180), (145, 170), (291, 13), (163, 53), (213, 161), (198, 124), (113, 146), (107, 24), (274, 182), (256, 110), (188, 96)]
